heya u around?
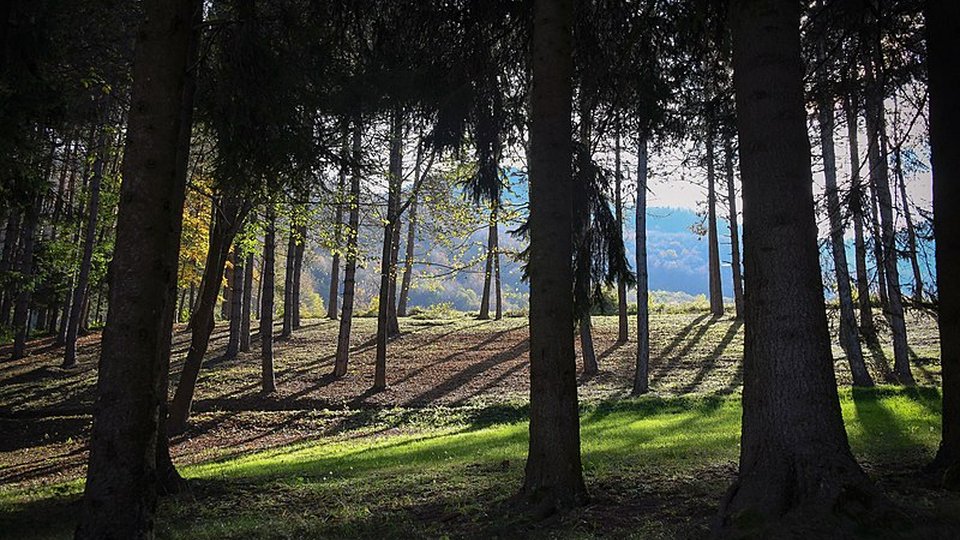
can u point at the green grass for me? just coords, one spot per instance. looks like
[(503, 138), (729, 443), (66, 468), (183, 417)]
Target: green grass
[(455, 478)]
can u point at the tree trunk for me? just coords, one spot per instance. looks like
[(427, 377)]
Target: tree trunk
[(583, 235), (120, 489), (942, 18), (641, 375), (867, 326), (21, 307), (298, 273), (796, 469), (268, 382), (286, 328), (874, 163), (553, 476), (713, 238), (386, 256), (734, 228), (7, 262), (393, 326), (488, 270), (408, 256), (498, 310), (623, 330), (911, 231), (246, 307), (338, 236), (89, 241), (236, 303), (849, 337), (881, 183), (229, 218), (350, 271)]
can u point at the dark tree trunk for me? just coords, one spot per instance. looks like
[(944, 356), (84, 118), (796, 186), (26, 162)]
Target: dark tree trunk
[(286, 329), (734, 228), (553, 476), (641, 375), (7, 262), (881, 183), (911, 231), (623, 330), (393, 323), (332, 302), (849, 337), (268, 382), (120, 490), (246, 307), (488, 270), (386, 256), (21, 306), (229, 217), (867, 327), (408, 256), (89, 241), (236, 303), (350, 270), (877, 239), (943, 49), (497, 284), (583, 238), (713, 238), (298, 273), (796, 469)]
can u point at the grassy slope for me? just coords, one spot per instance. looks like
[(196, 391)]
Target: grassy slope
[(656, 467)]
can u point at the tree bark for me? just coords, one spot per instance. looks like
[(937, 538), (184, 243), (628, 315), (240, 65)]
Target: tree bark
[(641, 375), (236, 303), (796, 469), (229, 218), (408, 256), (286, 329), (120, 490), (268, 382), (623, 329), (298, 273), (867, 326), (881, 184), (498, 287), (553, 476), (488, 270), (338, 236), (734, 227), (911, 230), (942, 18), (386, 256), (350, 271), (849, 337), (583, 237), (247, 300), (713, 238), (89, 241), (21, 306)]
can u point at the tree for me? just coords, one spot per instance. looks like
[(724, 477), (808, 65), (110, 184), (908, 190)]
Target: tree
[(796, 469), (728, 158), (641, 376), (237, 293), (350, 271), (553, 476), (713, 237), (623, 326), (247, 301), (267, 382), (942, 17), (120, 492), (857, 199)]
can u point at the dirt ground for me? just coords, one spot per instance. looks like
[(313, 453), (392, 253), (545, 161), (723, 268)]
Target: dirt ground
[(461, 363)]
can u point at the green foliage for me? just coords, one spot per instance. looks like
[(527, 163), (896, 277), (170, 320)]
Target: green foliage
[(438, 311)]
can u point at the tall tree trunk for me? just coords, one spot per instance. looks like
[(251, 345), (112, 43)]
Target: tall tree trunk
[(881, 183), (623, 330), (386, 256), (7, 262), (641, 375), (867, 326), (498, 289), (911, 230), (286, 329), (874, 163), (849, 337), (408, 256), (268, 382), (89, 241), (734, 228), (796, 468), (246, 307), (713, 238), (21, 307), (236, 303), (332, 302), (120, 491), (488, 269), (229, 217), (553, 476), (350, 271), (943, 48), (393, 323), (298, 273), (583, 237)]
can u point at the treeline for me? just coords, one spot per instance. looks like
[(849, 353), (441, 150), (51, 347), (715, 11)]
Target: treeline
[(161, 159)]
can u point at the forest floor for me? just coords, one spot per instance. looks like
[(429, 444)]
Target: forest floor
[(440, 451)]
